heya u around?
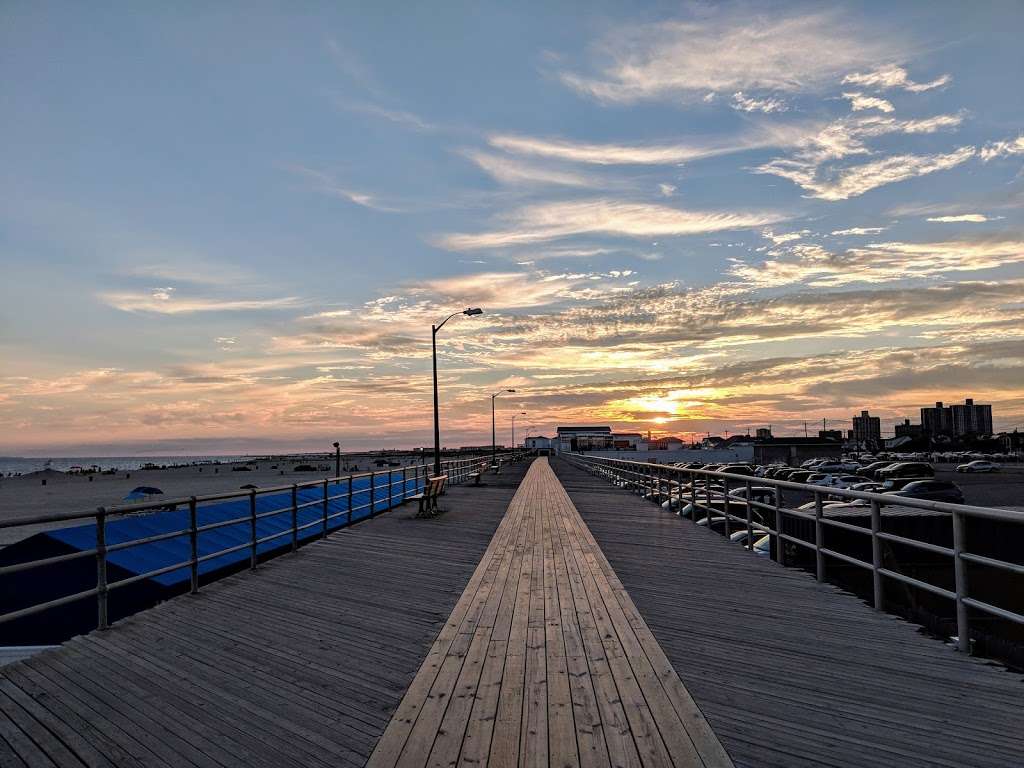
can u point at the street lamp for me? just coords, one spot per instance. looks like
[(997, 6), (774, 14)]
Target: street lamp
[(433, 346), (337, 459), (494, 442), (521, 413)]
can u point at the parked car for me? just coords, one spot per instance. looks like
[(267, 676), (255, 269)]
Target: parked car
[(845, 481), (741, 537), (978, 466), (738, 469), (875, 466), (899, 483), (763, 547), (905, 469), (931, 490), (868, 487)]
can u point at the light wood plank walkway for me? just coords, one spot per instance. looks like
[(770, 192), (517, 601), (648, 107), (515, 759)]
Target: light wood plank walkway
[(545, 660)]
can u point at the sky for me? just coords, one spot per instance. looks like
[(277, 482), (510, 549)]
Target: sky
[(229, 227)]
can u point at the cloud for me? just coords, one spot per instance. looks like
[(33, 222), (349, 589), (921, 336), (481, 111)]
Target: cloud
[(729, 52), (326, 184), (767, 105), (603, 154), (551, 221), (160, 301), (858, 102), (878, 262), (667, 190), (858, 231), (893, 76), (973, 218), (853, 181), (995, 149), (398, 116), (515, 172)]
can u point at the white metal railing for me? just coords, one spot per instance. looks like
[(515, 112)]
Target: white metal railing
[(354, 498), (674, 484)]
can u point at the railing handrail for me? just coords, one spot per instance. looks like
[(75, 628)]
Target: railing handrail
[(649, 478), (457, 471)]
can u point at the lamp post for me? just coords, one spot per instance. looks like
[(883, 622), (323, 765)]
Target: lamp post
[(521, 413), (433, 348), (494, 442), (337, 459)]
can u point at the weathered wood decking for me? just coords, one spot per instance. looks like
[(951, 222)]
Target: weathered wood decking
[(546, 661), (790, 672), (299, 664)]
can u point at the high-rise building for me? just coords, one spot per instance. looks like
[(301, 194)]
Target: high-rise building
[(867, 428), (906, 429), (957, 420), (971, 419)]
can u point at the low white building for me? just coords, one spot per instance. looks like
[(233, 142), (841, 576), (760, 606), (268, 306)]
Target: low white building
[(538, 443)]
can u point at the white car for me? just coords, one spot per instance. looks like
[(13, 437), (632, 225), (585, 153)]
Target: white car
[(978, 466)]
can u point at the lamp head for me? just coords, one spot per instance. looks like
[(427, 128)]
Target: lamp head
[(510, 390), (336, 445), (473, 311)]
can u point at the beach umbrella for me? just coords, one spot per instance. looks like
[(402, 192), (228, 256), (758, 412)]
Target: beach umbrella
[(147, 490)]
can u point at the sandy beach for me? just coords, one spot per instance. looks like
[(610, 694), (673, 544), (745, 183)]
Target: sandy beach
[(27, 496)]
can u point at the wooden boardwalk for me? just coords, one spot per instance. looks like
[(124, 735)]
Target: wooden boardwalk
[(299, 664), (793, 673), (545, 660)]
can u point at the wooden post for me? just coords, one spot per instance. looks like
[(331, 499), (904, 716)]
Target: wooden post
[(693, 496), (193, 539), (295, 516), (819, 556), (876, 554), (101, 568), (252, 529), (963, 628)]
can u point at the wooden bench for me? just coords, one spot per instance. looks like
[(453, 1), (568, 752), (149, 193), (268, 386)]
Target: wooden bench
[(476, 474), (428, 497)]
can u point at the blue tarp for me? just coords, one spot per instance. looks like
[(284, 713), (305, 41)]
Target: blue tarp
[(155, 555)]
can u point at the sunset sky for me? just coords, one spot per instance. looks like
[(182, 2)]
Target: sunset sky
[(228, 228)]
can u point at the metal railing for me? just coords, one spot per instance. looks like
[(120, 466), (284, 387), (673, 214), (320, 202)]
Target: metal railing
[(697, 490), (338, 501)]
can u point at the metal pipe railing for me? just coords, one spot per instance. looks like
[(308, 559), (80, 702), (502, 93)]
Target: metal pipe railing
[(657, 481), (390, 496)]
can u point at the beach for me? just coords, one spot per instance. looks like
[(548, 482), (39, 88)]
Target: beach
[(26, 496)]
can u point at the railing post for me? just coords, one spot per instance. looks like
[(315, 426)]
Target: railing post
[(373, 493), (101, 568), (390, 486), (780, 545), (707, 499), (693, 496), (750, 518), (405, 484), (876, 554), (679, 492), (963, 629), (725, 505), (252, 529), (819, 556), (295, 516), (349, 519), (325, 508), (193, 540)]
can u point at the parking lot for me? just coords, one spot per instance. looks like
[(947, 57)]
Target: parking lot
[(998, 489)]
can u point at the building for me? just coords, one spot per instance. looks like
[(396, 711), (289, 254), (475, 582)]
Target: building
[(906, 429), (796, 450), (764, 433), (570, 439), (971, 419), (867, 429), (957, 420), (628, 441), (537, 443), (665, 444), (831, 434)]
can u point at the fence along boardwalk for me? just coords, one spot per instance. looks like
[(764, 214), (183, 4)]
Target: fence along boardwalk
[(546, 661), (790, 672), (298, 664)]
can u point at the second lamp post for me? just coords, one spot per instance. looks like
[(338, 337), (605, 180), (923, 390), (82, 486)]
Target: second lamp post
[(494, 444)]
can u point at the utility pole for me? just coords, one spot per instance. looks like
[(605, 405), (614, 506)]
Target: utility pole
[(805, 429)]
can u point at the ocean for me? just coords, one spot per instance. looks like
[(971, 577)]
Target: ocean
[(15, 465)]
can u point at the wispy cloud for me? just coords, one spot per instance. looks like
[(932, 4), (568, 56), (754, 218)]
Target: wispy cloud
[(514, 171), (767, 105), (326, 184), (728, 51), (860, 101), (1006, 148), (893, 76), (857, 231), (399, 116), (551, 221), (162, 301), (972, 218)]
